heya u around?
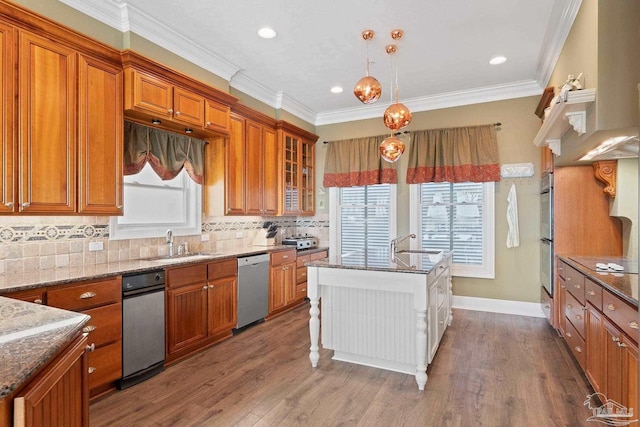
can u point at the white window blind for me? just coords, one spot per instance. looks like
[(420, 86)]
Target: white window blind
[(458, 217), (365, 223)]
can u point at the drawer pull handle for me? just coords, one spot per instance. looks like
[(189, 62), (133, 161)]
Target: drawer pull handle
[(303, 290), (576, 286), (91, 347), (87, 295), (615, 339), (578, 317), (569, 306), (621, 344), (611, 307), (563, 286), (88, 328), (568, 279), (208, 123), (285, 256), (633, 324), (592, 293), (91, 369), (583, 308), (569, 335), (304, 274), (578, 349)]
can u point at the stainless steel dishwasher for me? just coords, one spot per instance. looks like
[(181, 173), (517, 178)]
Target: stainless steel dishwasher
[(253, 289), (143, 327)]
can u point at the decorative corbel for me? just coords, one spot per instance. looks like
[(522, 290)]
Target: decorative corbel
[(605, 171)]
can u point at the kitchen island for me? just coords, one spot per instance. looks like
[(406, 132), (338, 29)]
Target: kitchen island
[(385, 314)]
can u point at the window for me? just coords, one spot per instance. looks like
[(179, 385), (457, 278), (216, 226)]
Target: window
[(151, 206), (457, 217), (362, 221)]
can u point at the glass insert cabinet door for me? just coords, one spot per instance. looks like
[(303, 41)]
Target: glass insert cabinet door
[(291, 174), (306, 185)]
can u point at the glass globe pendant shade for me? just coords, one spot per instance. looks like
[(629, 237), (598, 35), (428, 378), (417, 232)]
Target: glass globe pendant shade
[(391, 149), (368, 90), (396, 116)]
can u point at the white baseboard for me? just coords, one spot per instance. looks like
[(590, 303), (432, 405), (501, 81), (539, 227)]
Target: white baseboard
[(531, 309)]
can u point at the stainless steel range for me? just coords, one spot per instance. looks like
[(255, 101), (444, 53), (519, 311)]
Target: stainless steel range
[(301, 242)]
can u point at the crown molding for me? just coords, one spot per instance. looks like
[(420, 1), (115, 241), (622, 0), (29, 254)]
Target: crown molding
[(562, 18), (434, 102), (109, 12)]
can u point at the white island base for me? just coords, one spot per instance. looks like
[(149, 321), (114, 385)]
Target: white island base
[(388, 319)]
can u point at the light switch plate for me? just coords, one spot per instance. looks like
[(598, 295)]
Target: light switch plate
[(96, 246)]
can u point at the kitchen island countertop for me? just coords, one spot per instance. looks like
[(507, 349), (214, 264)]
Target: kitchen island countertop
[(30, 336)]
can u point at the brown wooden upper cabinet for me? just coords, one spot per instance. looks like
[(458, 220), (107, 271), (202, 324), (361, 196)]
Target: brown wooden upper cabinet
[(297, 160), (155, 97), (66, 157)]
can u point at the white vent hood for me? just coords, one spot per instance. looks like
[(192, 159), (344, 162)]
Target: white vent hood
[(610, 109)]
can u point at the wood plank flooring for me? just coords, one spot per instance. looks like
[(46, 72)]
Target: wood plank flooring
[(490, 370)]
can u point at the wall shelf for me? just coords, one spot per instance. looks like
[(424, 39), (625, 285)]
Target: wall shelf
[(563, 115)]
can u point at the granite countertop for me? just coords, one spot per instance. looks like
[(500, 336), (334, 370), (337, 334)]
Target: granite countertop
[(624, 284), (30, 335), (404, 262), (57, 276)]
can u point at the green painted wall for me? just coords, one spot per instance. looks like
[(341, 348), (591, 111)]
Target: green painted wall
[(517, 275)]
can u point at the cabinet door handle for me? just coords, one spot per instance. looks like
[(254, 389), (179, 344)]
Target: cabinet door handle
[(91, 347), (578, 317), (577, 286), (39, 301), (583, 308), (91, 369), (611, 307), (569, 306), (205, 287), (615, 339), (285, 256), (26, 204), (88, 328), (578, 349), (87, 295), (9, 204), (621, 344), (568, 279), (303, 290), (633, 324), (592, 293), (170, 110), (211, 286), (569, 334), (177, 113)]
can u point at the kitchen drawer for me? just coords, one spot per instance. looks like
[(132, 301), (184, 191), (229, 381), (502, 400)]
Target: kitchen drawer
[(593, 293), (301, 261), (576, 344), (105, 326), (86, 295), (182, 276), (105, 365), (36, 296), (301, 290), (318, 255), (546, 303), (621, 313), (222, 269), (283, 257), (301, 275), (574, 281), (575, 313)]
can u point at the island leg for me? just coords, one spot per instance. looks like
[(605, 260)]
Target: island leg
[(421, 349), (314, 330)]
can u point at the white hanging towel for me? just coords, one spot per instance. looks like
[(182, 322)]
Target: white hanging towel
[(513, 235)]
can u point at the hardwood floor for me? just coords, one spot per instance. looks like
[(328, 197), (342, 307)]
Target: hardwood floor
[(491, 370)]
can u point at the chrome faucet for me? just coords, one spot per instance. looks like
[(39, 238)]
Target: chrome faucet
[(170, 241), (394, 244)]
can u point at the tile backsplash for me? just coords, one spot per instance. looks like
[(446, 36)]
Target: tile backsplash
[(38, 243)]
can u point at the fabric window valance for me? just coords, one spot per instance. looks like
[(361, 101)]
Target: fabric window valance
[(357, 162), (166, 152), (464, 154)]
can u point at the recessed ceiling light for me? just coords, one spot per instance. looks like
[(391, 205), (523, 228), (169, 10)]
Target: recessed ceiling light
[(266, 33), (336, 89), (497, 60)]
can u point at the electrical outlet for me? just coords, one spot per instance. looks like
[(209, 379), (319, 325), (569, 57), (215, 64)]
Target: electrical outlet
[(239, 235), (204, 238), (96, 246)]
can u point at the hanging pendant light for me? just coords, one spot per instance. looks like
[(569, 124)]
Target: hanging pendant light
[(397, 115), (368, 89), (391, 149)]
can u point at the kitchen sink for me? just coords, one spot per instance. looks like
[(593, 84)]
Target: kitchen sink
[(191, 256), (433, 254)]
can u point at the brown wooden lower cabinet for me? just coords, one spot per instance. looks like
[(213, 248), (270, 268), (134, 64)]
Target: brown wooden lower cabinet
[(282, 281), (595, 343), (59, 396), (201, 306)]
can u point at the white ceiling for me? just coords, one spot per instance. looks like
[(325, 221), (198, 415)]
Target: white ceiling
[(442, 61)]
